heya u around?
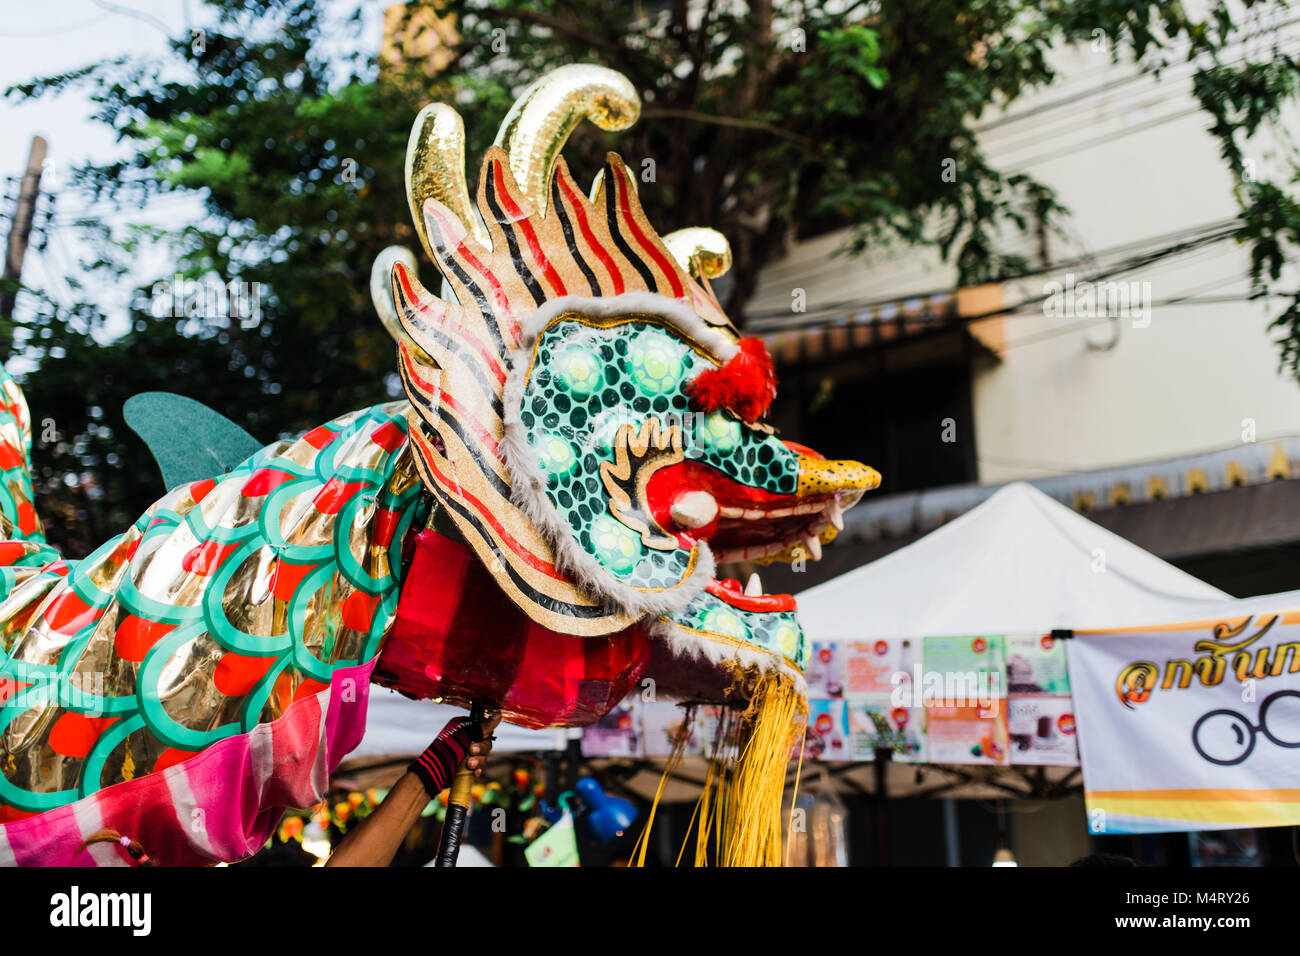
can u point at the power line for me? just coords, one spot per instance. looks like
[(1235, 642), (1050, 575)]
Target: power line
[(134, 14), (1138, 262), (1184, 298), (1140, 73), (1164, 243), (1024, 308), (51, 31), (1102, 140), (1068, 124)]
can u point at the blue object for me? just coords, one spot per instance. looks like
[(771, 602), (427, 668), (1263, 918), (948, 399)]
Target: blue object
[(607, 817), (552, 814)]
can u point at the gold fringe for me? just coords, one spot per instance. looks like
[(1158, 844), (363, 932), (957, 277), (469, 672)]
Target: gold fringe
[(674, 758), (752, 828), (737, 818), (709, 806), (794, 800)]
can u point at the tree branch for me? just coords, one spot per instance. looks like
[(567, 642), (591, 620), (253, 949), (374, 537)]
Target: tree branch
[(729, 121)]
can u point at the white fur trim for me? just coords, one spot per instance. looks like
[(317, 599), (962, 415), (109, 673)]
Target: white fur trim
[(676, 312), (528, 485), (690, 645)]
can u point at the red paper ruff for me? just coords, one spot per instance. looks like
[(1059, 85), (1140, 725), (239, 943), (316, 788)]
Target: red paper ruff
[(459, 639), (745, 384)]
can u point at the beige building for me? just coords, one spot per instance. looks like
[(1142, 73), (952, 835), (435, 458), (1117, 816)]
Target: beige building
[(1129, 370)]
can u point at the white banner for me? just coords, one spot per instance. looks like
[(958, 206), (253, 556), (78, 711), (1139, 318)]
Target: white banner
[(1190, 727)]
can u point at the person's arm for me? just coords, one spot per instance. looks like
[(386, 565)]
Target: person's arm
[(375, 840)]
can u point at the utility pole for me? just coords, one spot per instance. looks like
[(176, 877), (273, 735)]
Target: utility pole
[(19, 231)]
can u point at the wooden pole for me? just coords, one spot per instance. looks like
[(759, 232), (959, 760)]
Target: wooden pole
[(880, 807), (19, 232)]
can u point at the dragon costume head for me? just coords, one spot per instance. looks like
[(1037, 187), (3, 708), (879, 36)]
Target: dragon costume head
[(581, 405), (589, 424)]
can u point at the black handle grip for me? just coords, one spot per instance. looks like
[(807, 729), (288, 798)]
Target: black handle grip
[(453, 828), (453, 824)]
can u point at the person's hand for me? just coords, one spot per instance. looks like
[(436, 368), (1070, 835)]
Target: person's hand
[(478, 751), (461, 739)]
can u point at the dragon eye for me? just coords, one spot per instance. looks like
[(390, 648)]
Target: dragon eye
[(695, 509)]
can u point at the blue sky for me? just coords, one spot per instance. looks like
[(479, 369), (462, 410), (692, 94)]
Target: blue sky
[(38, 39)]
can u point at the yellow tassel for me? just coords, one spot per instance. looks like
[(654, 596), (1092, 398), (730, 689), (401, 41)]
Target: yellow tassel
[(774, 720), (670, 768), (708, 806), (737, 818), (721, 766), (794, 802)]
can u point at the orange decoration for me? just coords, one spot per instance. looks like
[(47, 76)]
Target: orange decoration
[(236, 674), (74, 735), (286, 577), (359, 610), (135, 636), (69, 614)]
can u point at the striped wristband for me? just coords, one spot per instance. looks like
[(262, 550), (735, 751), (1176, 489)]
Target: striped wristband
[(436, 766)]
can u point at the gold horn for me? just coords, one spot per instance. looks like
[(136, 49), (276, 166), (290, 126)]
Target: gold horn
[(435, 169), (700, 251), (539, 124)]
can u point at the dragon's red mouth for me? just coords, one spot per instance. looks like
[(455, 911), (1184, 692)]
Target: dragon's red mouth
[(695, 502), (729, 590)]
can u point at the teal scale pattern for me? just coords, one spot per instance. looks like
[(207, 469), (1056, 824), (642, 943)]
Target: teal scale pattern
[(586, 383), (775, 631)]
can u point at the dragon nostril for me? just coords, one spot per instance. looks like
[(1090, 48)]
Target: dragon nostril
[(695, 509)]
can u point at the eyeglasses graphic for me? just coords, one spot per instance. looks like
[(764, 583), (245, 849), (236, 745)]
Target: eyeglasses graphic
[(1226, 737)]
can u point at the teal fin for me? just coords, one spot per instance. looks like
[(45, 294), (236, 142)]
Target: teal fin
[(189, 441)]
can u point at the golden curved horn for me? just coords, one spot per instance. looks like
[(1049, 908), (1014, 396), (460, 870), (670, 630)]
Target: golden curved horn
[(539, 124), (435, 169), (700, 251), (381, 294)]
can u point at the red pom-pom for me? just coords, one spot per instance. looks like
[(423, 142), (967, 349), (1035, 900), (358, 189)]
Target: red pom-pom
[(746, 384)]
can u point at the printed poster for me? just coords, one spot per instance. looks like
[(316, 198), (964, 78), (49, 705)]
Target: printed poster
[(963, 668), (618, 733), (1040, 712), (1193, 727), (1042, 731), (967, 733), (825, 672), (1036, 665), (879, 666), (557, 846), (962, 685), (876, 723), (708, 722), (827, 734), (662, 722)]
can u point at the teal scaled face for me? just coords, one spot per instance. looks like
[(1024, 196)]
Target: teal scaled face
[(775, 631), (586, 383)]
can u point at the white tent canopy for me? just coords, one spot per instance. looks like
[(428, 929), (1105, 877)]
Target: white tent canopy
[(1018, 563), (397, 725)]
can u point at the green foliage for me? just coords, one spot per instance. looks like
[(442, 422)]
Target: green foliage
[(1243, 99), (763, 119)]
